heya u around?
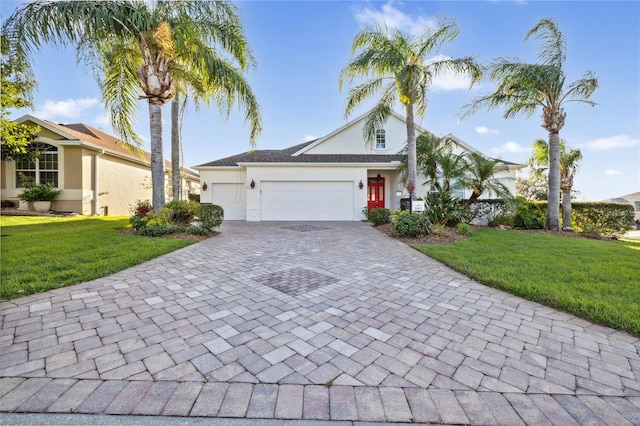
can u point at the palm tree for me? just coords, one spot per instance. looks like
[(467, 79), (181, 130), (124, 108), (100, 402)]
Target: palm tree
[(137, 45), (522, 88), (177, 114), (400, 70), (569, 161), (480, 177)]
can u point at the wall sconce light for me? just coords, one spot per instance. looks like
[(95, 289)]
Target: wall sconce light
[(252, 184), (360, 185), (204, 186)]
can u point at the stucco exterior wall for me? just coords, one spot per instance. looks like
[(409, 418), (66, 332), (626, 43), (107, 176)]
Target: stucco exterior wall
[(120, 184), (219, 176), (350, 140)]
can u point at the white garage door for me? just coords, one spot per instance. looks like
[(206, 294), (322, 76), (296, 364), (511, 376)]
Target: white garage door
[(232, 198), (306, 200)]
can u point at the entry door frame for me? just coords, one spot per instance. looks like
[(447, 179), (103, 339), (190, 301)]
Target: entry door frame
[(375, 192)]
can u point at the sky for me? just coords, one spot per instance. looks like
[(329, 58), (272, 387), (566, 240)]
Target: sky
[(301, 46)]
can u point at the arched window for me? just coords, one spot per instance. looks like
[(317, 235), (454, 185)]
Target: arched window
[(41, 166), (381, 142)]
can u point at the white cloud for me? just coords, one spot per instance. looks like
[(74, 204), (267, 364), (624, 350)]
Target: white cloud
[(69, 109), (612, 172), (309, 138), (511, 148), (449, 80), (613, 142), (101, 120), (483, 130), (395, 19)]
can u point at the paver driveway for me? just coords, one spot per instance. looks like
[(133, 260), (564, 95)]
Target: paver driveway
[(311, 321)]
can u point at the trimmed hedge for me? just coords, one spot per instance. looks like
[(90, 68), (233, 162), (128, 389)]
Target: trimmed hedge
[(604, 218)]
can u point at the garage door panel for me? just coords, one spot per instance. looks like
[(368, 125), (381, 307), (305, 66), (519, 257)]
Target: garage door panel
[(304, 200), (232, 198)]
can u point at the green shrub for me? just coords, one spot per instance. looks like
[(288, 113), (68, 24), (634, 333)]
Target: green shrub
[(155, 229), (444, 209), (141, 214), (437, 229), (611, 219), (198, 230), (379, 216), (463, 228), (529, 216), (211, 215), (181, 212), (504, 220), (195, 198), (407, 224), (39, 192)]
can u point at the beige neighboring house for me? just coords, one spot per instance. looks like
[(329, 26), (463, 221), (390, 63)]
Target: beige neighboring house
[(334, 177), (97, 173)]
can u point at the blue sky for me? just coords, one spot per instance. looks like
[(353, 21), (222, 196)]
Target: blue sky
[(301, 46)]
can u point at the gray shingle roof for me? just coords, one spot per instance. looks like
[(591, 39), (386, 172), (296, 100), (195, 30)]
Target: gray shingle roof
[(286, 156)]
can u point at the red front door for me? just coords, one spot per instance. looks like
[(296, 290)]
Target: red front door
[(375, 187)]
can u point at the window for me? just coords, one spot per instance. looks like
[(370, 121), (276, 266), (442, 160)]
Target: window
[(41, 168), (380, 139)]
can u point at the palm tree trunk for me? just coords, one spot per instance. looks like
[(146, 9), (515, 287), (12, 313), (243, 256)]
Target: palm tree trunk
[(157, 160), (411, 147), (176, 147), (553, 199), (566, 208)]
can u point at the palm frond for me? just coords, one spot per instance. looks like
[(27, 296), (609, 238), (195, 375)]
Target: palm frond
[(362, 92), (553, 50), (379, 113), (581, 90)]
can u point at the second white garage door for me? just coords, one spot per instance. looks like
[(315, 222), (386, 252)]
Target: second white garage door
[(294, 200)]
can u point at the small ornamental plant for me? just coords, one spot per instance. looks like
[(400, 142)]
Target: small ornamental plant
[(39, 192)]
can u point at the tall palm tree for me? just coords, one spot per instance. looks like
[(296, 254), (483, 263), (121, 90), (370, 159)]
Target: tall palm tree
[(400, 70), (480, 177), (569, 162), (149, 47), (178, 107), (522, 88)]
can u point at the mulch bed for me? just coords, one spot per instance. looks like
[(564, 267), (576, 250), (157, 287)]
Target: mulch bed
[(451, 235)]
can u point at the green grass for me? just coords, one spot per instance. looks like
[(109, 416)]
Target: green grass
[(595, 280), (43, 253)]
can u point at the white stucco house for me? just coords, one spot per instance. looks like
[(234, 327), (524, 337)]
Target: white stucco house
[(330, 178)]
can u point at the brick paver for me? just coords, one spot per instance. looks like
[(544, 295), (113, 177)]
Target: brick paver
[(327, 321)]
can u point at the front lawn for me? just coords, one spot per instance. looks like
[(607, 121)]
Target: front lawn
[(595, 280), (42, 253)]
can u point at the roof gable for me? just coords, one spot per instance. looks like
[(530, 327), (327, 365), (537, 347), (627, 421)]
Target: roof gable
[(93, 138), (349, 139)]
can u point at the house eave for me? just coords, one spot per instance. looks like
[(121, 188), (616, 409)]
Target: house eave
[(387, 165)]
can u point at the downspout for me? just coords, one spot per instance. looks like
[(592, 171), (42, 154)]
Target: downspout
[(95, 182)]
